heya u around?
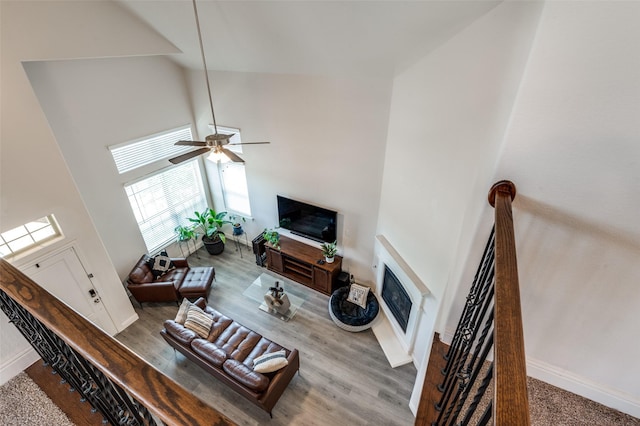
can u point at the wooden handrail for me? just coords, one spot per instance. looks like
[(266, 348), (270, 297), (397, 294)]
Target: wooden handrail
[(458, 374), (511, 405), (162, 396)]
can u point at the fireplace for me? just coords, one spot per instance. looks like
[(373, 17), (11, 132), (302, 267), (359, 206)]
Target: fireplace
[(396, 298), (406, 305)]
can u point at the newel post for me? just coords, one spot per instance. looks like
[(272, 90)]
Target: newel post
[(510, 373)]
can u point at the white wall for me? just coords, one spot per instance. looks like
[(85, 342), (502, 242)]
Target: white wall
[(94, 103), (327, 145), (573, 151), (448, 117), (34, 179)]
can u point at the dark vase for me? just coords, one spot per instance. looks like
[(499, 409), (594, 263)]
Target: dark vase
[(213, 246)]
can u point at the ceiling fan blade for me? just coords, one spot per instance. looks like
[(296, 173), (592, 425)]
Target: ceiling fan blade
[(249, 143), (191, 143), (189, 155), (232, 155)]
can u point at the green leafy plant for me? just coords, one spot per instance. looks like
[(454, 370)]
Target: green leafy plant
[(236, 218), (185, 233), (210, 223), (272, 236), (237, 226), (329, 249)]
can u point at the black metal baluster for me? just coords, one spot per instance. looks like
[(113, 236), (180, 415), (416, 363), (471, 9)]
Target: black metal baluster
[(463, 366), (114, 403), (463, 382), (475, 365), (468, 337), (450, 379), (487, 258), (475, 299), (479, 393), (486, 416)]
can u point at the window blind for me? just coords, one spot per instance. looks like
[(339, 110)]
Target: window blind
[(164, 200), (131, 155)]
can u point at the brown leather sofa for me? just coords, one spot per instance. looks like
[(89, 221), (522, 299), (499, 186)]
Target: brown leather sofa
[(173, 285), (228, 353)]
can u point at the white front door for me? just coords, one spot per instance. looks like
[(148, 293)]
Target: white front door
[(63, 275)]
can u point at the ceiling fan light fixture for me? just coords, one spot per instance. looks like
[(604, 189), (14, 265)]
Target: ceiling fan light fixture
[(217, 156)]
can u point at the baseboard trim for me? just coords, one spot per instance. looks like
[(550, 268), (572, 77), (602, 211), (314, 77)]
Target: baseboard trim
[(133, 318), (447, 336), (17, 364), (579, 385), (627, 403)]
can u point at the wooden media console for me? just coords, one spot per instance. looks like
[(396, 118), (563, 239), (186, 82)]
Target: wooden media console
[(299, 262)]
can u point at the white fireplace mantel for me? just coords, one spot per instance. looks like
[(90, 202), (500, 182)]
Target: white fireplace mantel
[(397, 344)]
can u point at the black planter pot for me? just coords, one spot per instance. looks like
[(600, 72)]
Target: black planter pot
[(213, 246)]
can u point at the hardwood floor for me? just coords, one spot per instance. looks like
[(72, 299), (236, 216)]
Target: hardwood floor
[(344, 377)]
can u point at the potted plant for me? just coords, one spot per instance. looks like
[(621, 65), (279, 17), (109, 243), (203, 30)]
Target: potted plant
[(184, 235), (235, 222), (329, 251), (209, 224), (272, 236)]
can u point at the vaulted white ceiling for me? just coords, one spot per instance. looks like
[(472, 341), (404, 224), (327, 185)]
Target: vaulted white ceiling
[(374, 38)]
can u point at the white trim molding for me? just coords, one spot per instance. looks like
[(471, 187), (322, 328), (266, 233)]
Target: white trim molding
[(17, 364), (398, 344), (579, 385)]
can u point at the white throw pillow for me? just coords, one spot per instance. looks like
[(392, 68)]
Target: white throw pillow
[(358, 295), (181, 316), (270, 362)]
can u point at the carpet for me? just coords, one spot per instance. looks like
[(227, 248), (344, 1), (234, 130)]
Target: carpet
[(22, 402), (550, 405)]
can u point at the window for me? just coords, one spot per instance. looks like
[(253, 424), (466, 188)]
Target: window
[(29, 235), (234, 187), (162, 201), (131, 155), (165, 198), (233, 177)]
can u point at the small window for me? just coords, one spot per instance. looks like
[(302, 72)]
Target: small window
[(29, 235), (233, 177), (234, 185), (131, 155)]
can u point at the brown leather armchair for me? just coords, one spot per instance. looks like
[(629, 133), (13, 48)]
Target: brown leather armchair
[(144, 288)]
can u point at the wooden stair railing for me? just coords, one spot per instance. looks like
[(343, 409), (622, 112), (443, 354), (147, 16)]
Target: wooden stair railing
[(455, 390), (115, 381), (510, 381)]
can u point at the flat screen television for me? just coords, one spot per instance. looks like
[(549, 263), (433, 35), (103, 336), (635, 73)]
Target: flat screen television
[(307, 220)]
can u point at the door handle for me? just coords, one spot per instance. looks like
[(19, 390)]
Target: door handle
[(92, 293)]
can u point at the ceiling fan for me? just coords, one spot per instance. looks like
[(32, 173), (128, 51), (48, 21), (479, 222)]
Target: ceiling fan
[(213, 143)]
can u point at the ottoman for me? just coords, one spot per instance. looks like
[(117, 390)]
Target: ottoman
[(197, 282)]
